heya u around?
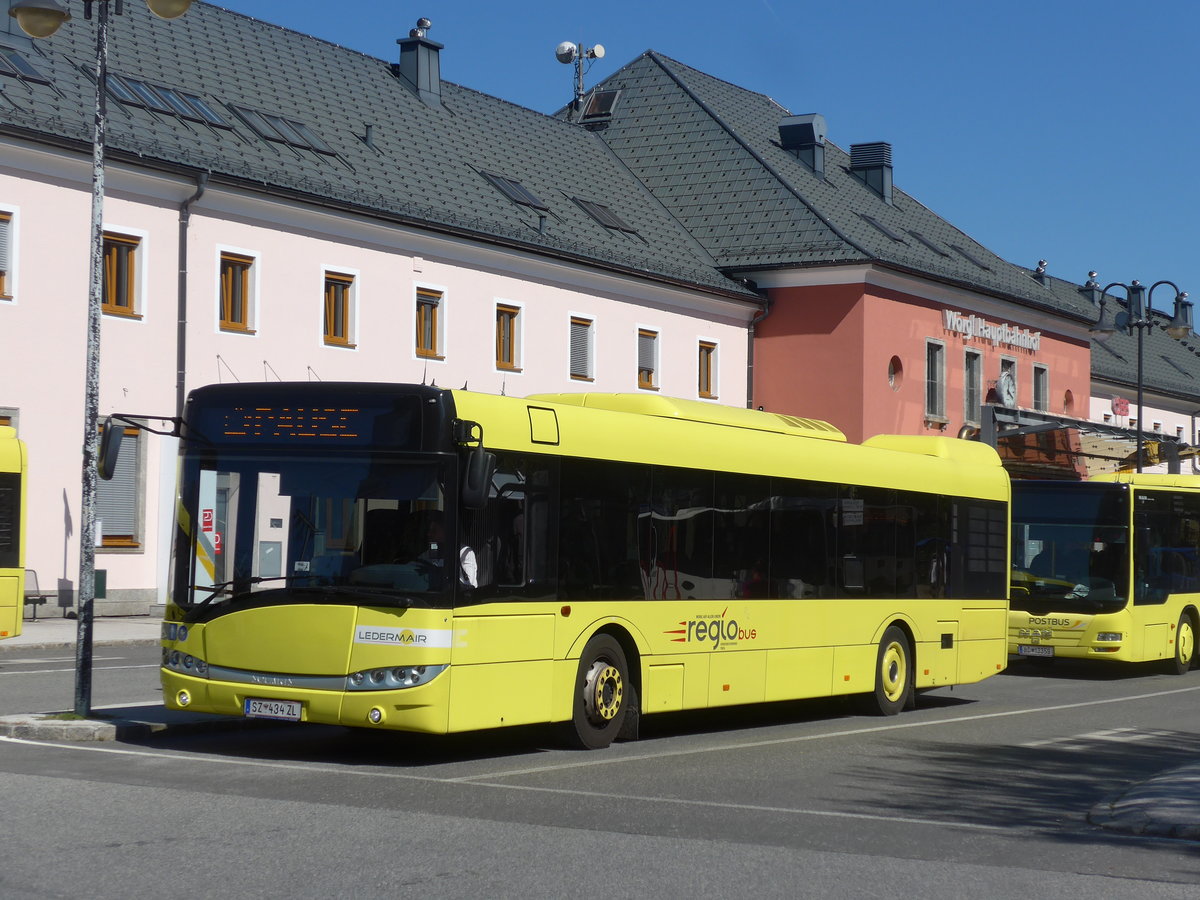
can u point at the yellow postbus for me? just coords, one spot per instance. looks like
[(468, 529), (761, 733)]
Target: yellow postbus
[(406, 557), (13, 463), (1107, 569)]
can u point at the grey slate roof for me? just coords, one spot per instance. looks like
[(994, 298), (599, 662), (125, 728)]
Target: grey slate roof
[(422, 167), (710, 151)]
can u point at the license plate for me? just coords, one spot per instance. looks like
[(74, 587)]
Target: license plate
[(287, 710), (1034, 650)]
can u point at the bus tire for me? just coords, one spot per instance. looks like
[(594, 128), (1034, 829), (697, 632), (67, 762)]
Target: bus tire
[(1185, 646), (893, 672), (602, 694)]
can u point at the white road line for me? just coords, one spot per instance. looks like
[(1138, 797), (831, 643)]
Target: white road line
[(99, 668), (599, 795), (746, 745)]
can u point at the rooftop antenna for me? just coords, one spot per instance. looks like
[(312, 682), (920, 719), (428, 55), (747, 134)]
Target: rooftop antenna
[(568, 52)]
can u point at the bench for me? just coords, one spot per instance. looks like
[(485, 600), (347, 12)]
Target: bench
[(34, 596)]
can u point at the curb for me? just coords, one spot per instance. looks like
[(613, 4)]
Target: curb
[(43, 727)]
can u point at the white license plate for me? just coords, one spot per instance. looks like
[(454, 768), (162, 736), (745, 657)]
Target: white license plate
[(287, 710), (1034, 650)]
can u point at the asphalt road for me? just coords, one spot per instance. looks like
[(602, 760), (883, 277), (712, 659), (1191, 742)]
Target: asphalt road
[(983, 790)]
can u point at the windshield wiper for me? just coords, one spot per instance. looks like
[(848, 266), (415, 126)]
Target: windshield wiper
[(223, 587)]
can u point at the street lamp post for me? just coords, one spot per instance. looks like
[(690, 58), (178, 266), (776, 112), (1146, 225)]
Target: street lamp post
[(41, 19), (1139, 314)]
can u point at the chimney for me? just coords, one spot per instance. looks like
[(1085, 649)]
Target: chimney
[(420, 65), (872, 165), (804, 138)]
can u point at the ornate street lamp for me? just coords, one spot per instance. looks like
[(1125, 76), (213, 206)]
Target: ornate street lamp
[(1138, 314), (40, 19)]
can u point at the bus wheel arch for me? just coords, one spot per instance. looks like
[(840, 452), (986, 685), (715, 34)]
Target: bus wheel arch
[(895, 671), (605, 695)]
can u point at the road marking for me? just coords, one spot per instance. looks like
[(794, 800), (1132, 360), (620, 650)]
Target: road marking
[(1112, 735), (53, 659), (850, 732), (599, 795), (488, 780), (52, 671)]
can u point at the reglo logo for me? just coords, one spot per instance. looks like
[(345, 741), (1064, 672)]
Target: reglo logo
[(714, 629)]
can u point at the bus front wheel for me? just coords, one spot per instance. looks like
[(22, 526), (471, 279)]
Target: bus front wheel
[(1185, 646), (893, 672), (602, 694)]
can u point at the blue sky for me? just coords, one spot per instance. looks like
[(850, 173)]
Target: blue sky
[(1065, 130)]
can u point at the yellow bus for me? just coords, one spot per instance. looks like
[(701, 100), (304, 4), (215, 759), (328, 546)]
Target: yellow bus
[(406, 557), (1107, 569), (13, 463)]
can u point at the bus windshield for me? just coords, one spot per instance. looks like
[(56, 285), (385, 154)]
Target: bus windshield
[(1070, 549), (259, 529)]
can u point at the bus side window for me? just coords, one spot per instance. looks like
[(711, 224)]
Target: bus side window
[(511, 536)]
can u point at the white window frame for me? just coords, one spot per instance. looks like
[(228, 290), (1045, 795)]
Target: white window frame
[(518, 337), (589, 347), (141, 260), (253, 313), (715, 364), (12, 249), (131, 464), (938, 380), (655, 382), (443, 322), (352, 305), (1010, 364)]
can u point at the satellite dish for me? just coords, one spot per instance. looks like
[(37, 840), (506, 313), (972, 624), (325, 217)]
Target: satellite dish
[(565, 52), (598, 51)]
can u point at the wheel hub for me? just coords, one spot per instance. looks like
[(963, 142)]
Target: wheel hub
[(602, 691)]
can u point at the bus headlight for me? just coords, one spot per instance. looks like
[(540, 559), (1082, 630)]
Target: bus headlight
[(185, 663), (1110, 636), (392, 679)]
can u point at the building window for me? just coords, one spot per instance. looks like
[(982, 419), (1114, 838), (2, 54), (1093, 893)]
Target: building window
[(647, 351), (1041, 388), (429, 332), (973, 387), (117, 499), (935, 381), (235, 292), (581, 349), (5, 256), (338, 309), (120, 275), (508, 337), (706, 381)]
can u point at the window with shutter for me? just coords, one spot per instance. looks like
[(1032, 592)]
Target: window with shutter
[(5, 255), (707, 387), (116, 499), (581, 349), (647, 359)]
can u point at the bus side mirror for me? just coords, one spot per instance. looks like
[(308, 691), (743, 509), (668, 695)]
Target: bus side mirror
[(477, 478), (110, 448)]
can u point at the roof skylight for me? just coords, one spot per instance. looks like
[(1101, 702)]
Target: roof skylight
[(514, 191), (604, 215)]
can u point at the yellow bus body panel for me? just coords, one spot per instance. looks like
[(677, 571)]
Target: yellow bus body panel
[(14, 459)]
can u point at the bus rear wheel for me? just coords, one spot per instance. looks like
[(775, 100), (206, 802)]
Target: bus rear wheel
[(602, 694), (1185, 646), (893, 672)]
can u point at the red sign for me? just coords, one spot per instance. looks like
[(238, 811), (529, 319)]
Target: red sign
[(217, 543), (206, 520), (1120, 406)]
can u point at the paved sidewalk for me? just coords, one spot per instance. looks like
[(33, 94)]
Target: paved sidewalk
[(107, 631)]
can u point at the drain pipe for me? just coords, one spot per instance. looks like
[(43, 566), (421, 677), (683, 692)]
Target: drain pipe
[(185, 215), (759, 317)]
